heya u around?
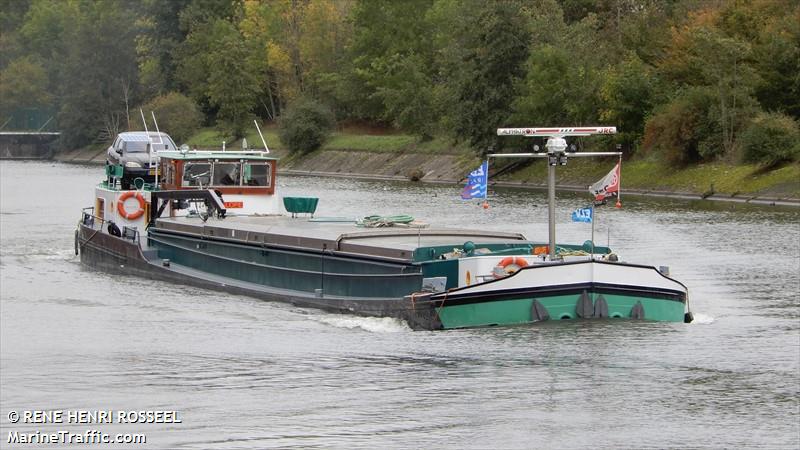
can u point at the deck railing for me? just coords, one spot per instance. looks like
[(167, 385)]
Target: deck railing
[(97, 223)]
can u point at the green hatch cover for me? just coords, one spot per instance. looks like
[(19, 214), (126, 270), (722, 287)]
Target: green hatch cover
[(297, 205)]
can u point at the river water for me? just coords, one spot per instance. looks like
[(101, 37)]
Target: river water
[(244, 373)]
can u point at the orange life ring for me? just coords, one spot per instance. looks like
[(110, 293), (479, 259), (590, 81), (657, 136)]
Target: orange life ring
[(509, 265), (121, 205)]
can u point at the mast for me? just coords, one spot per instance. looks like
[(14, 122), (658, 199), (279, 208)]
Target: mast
[(262, 136), (557, 154), (160, 141)]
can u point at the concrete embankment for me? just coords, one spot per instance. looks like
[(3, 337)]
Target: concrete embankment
[(434, 168), (27, 144), (83, 156), (451, 169)]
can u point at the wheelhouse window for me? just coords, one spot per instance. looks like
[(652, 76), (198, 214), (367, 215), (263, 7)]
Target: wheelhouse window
[(196, 174), (227, 174), (257, 174)]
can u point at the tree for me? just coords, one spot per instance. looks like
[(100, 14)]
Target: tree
[(12, 13), (156, 43), (305, 126), (394, 64), (295, 48), (628, 94), (327, 32), (777, 58), (702, 54), (257, 29), (200, 12), (264, 26), (23, 83), (564, 75), (495, 40), (545, 90), (771, 139), (97, 73), (682, 131), (232, 87), (200, 20), (177, 115), (45, 33), (725, 68)]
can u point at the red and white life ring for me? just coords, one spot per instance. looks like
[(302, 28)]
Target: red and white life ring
[(121, 205), (508, 266)]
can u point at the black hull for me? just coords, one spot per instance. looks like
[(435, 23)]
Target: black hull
[(123, 256)]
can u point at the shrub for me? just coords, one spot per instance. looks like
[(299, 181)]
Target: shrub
[(305, 126), (771, 139), (681, 131), (176, 113), (415, 174)]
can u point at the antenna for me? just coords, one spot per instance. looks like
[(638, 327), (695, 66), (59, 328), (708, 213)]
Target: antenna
[(262, 136), (144, 122), (149, 141), (556, 155), (160, 139)]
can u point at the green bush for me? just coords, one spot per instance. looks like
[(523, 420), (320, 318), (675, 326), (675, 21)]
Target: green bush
[(305, 126), (681, 131), (176, 113), (771, 139)]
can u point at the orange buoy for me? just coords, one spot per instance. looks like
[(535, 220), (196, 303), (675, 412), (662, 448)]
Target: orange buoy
[(509, 265), (121, 205)]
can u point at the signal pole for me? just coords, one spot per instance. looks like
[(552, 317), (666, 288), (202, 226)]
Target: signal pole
[(557, 154)]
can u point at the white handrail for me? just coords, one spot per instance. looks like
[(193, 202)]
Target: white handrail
[(262, 136)]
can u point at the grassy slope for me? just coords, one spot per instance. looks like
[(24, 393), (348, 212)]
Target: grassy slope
[(726, 179), (396, 143), (723, 178)]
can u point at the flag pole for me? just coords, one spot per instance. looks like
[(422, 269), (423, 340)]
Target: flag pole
[(486, 191), (619, 185), (593, 231)]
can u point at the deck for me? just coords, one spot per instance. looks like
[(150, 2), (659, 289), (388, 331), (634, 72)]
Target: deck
[(343, 237)]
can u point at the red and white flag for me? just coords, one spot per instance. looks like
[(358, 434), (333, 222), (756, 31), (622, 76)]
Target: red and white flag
[(607, 187)]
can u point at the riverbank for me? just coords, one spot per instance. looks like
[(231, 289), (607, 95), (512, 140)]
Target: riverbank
[(402, 157)]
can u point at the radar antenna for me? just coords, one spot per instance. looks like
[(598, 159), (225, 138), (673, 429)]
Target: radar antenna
[(557, 154)]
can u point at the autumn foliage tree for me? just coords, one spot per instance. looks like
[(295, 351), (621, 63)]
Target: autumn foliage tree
[(684, 81)]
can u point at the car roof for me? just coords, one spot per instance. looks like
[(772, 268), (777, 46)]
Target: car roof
[(141, 136)]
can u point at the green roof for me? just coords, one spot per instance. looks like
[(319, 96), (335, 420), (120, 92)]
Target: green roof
[(229, 155)]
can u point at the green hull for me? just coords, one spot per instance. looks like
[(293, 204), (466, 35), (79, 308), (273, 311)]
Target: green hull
[(558, 307)]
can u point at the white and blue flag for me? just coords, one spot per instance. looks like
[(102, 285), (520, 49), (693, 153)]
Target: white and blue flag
[(583, 215), (477, 182)]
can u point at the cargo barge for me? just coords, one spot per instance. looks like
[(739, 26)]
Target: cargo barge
[(213, 219)]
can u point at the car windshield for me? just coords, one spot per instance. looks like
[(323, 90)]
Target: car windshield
[(135, 146)]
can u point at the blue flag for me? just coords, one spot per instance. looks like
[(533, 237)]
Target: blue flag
[(477, 181), (583, 215)]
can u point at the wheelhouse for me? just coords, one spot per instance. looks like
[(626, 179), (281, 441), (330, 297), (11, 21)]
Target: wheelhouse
[(240, 173)]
